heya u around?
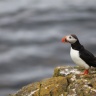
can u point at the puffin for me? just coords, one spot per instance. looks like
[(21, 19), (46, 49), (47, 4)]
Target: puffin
[(79, 54)]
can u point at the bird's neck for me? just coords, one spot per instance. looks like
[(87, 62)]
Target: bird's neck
[(77, 46)]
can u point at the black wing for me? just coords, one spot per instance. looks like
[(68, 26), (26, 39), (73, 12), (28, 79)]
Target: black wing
[(88, 57)]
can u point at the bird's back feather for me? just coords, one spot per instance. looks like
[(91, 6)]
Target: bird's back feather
[(88, 57)]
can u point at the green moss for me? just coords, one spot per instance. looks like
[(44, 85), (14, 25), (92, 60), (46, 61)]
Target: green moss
[(56, 72), (54, 86), (27, 89)]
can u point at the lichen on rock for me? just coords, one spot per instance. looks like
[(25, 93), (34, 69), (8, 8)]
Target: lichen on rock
[(66, 81)]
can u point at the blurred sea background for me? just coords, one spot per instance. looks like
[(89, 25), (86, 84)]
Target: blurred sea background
[(30, 38)]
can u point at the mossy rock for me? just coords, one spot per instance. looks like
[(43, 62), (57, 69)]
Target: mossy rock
[(53, 86), (49, 87), (66, 81)]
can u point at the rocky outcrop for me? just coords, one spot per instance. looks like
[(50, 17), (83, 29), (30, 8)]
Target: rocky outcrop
[(66, 81)]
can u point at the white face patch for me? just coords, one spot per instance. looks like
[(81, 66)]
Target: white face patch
[(71, 39)]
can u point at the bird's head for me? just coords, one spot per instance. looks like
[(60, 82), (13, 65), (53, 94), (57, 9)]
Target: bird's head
[(70, 39)]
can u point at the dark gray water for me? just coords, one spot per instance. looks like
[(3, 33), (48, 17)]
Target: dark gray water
[(30, 38)]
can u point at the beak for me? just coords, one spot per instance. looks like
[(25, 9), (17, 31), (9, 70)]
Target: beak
[(64, 40)]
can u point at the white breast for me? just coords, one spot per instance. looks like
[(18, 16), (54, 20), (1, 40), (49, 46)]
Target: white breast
[(77, 60)]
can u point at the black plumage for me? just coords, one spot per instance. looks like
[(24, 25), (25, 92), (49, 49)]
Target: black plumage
[(84, 54)]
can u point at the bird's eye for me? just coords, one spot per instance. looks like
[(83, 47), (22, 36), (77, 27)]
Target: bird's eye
[(70, 37)]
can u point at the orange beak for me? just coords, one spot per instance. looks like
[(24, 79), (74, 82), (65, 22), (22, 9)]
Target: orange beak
[(64, 40)]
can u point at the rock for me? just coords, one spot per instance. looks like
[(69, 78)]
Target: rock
[(66, 81)]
